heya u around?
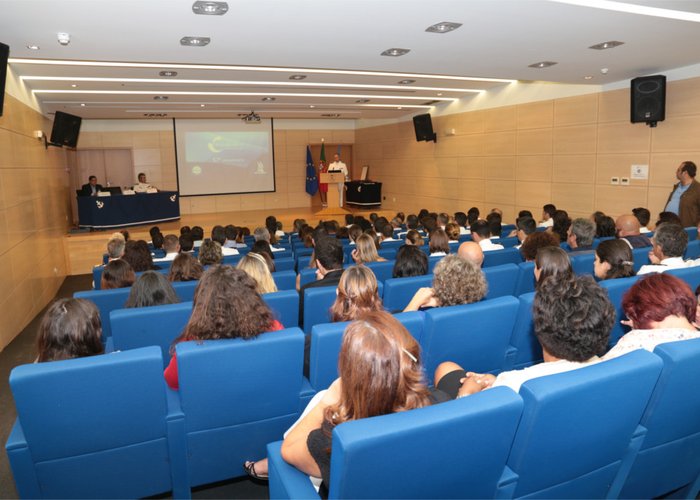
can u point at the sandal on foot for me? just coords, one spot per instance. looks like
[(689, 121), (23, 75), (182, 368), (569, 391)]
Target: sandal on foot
[(249, 468)]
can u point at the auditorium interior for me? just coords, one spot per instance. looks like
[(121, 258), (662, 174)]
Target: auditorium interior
[(530, 103)]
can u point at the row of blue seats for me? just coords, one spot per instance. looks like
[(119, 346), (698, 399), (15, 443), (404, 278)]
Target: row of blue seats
[(106, 426)]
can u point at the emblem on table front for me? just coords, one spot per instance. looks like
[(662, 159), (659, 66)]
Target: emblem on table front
[(100, 204), (173, 198)]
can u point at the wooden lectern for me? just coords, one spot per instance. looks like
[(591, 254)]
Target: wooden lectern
[(333, 179)]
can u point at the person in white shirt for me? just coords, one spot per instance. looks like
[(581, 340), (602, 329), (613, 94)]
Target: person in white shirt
[(481, 233), (572, 319), (171, 245), (339, 166), (668, 246), (547, 215), (218, 234), (142, 185)]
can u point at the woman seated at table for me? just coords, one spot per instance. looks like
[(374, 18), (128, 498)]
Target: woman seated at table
[(226, 305), (455, 281), (380, 373), (613, 259), (660, 308), (366, 250), (70, 328)]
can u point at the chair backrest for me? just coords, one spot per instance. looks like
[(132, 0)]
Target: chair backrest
[(505, 256), (185, 289), (106, 301), (640, 257), (501, 280), (582, 263), (693, 250), (525, 282), (507, 242), (616, 289), (433, 261), (524, 349), (690, 275), (230, 417), (382, 270), (285, 280), (306, 275), (429, 452), (317, 302), (95, 427), (147, 326), (398, 292), (475, 336), (692, 233), (285, 306), (585, 421), (163, 267), (389, 253), (668, 459), (283, 263)]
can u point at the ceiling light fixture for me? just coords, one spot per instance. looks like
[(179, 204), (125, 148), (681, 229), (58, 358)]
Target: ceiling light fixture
[(606, 45), (406, 82), (210, 8), (268, 99), (362, 101), (195, 41), (542, 64), (312, 106), (631, 8), (63, 38), (110, 64), (439, 94), (202, 105), (82, 104), (168, 73), (395, 52), (33, 47), (160, 97), (588, 77), (74, 85), (297, 77), (444, 27)]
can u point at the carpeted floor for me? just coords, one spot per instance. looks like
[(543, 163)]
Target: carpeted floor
[(21, 350)]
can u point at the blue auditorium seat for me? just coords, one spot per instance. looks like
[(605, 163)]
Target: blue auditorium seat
[(641, 257), (398, 292), (97, 427), (505, 256), (284, 263), (582, 263), (185, 289), (285, 306), (285, 280), (106, 301), (691, 275), (524, 349), (525, 282), (616, 289), (501, 280), (455, 449), (382, 270), (693, 250)]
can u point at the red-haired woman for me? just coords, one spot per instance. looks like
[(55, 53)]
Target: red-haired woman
[(661, 308)]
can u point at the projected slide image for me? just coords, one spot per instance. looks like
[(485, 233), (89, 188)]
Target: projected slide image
[(237, 149)]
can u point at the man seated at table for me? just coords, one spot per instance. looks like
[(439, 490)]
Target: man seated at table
[(142, 185), (91, 188)]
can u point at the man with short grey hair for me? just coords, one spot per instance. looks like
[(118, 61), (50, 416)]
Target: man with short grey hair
[(668, 246), (115, 246), (580, 235)]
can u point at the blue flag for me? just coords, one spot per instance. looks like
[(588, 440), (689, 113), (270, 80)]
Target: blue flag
[(311, 179)]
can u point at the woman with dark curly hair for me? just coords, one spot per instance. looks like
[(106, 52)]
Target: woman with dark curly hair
[(185, 268), (210, 253), (151, 289), (455, 281), (410, 261), (139, 257), (117, 274), (572, 320), (357, 294), (70, 328), (661, 308), (226, 305), (561, 224), (535, 241), (613, 259)]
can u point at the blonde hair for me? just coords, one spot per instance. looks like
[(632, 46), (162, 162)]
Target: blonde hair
[(256, 267), (366, 249)]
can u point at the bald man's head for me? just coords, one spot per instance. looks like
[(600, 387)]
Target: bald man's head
[(627, 225), (471, 251)]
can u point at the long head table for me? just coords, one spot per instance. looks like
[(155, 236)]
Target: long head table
[(105, 212)]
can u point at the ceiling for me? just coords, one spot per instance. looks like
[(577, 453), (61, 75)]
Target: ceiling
[(257, 45)]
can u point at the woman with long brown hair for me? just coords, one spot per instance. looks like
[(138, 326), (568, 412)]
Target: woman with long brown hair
[(226, 306), (366, 250), (70, 328), (357, 293)]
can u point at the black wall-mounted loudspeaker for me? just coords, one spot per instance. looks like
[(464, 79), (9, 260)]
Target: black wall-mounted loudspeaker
[(424, 128), (65, 129), (648, 99), (4, 54)]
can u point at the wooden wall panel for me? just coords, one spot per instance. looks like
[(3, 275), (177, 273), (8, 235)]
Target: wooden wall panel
[(577, 110), (535, 115)]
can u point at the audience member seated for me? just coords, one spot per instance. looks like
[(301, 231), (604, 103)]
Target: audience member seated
[(472, 216), (115, 246), (185, 268), (668, 217), (197, 234), (365, 250), (452, 231), (410, 261), (262, 247), (329, 262), (668, 246), (171, 247), (628, 230), (356, 295), (613, 259), (380, 373), (572, 321), (605, 227), (548, 212), (581, 235), (536, 241), (151, 289), (218, 234), (495, 220), (354, 232), (226, 305), (70, 328), (660, 308), (210, 253), (413, 237), (560, 226), (471, 251), (117, 274), (461, 221), (524, 227), (481, 234), (186, 243), (643, 216), (552, 262), (136, 253), (255, 265), (157, 243), (439, 243), (455, 281), (442, 220), (388, 233), (271, 226)]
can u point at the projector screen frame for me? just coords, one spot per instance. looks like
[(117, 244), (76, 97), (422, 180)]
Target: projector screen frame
[(272, 152)]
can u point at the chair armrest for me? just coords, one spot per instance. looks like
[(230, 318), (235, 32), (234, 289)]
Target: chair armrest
[(286, 481), (109, 346), (630, 456), (506, 485), (177, 446), (22, 464)]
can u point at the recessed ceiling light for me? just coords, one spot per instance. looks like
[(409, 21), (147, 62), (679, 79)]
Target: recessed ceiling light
[(210, 8), (297, 77), (395, 52), (588, 77), (268, 99), (82, 104), (542, 64), (202, 105), (168, 73), (362, 101), (406, 82), (399, 107), (195, 41), (160, 97), (33, 47), (444, 27), (606, 45), (439, 94), (312, 106), (74, 85)]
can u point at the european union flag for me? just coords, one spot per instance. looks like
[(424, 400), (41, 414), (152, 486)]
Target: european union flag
[(311, 179)]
